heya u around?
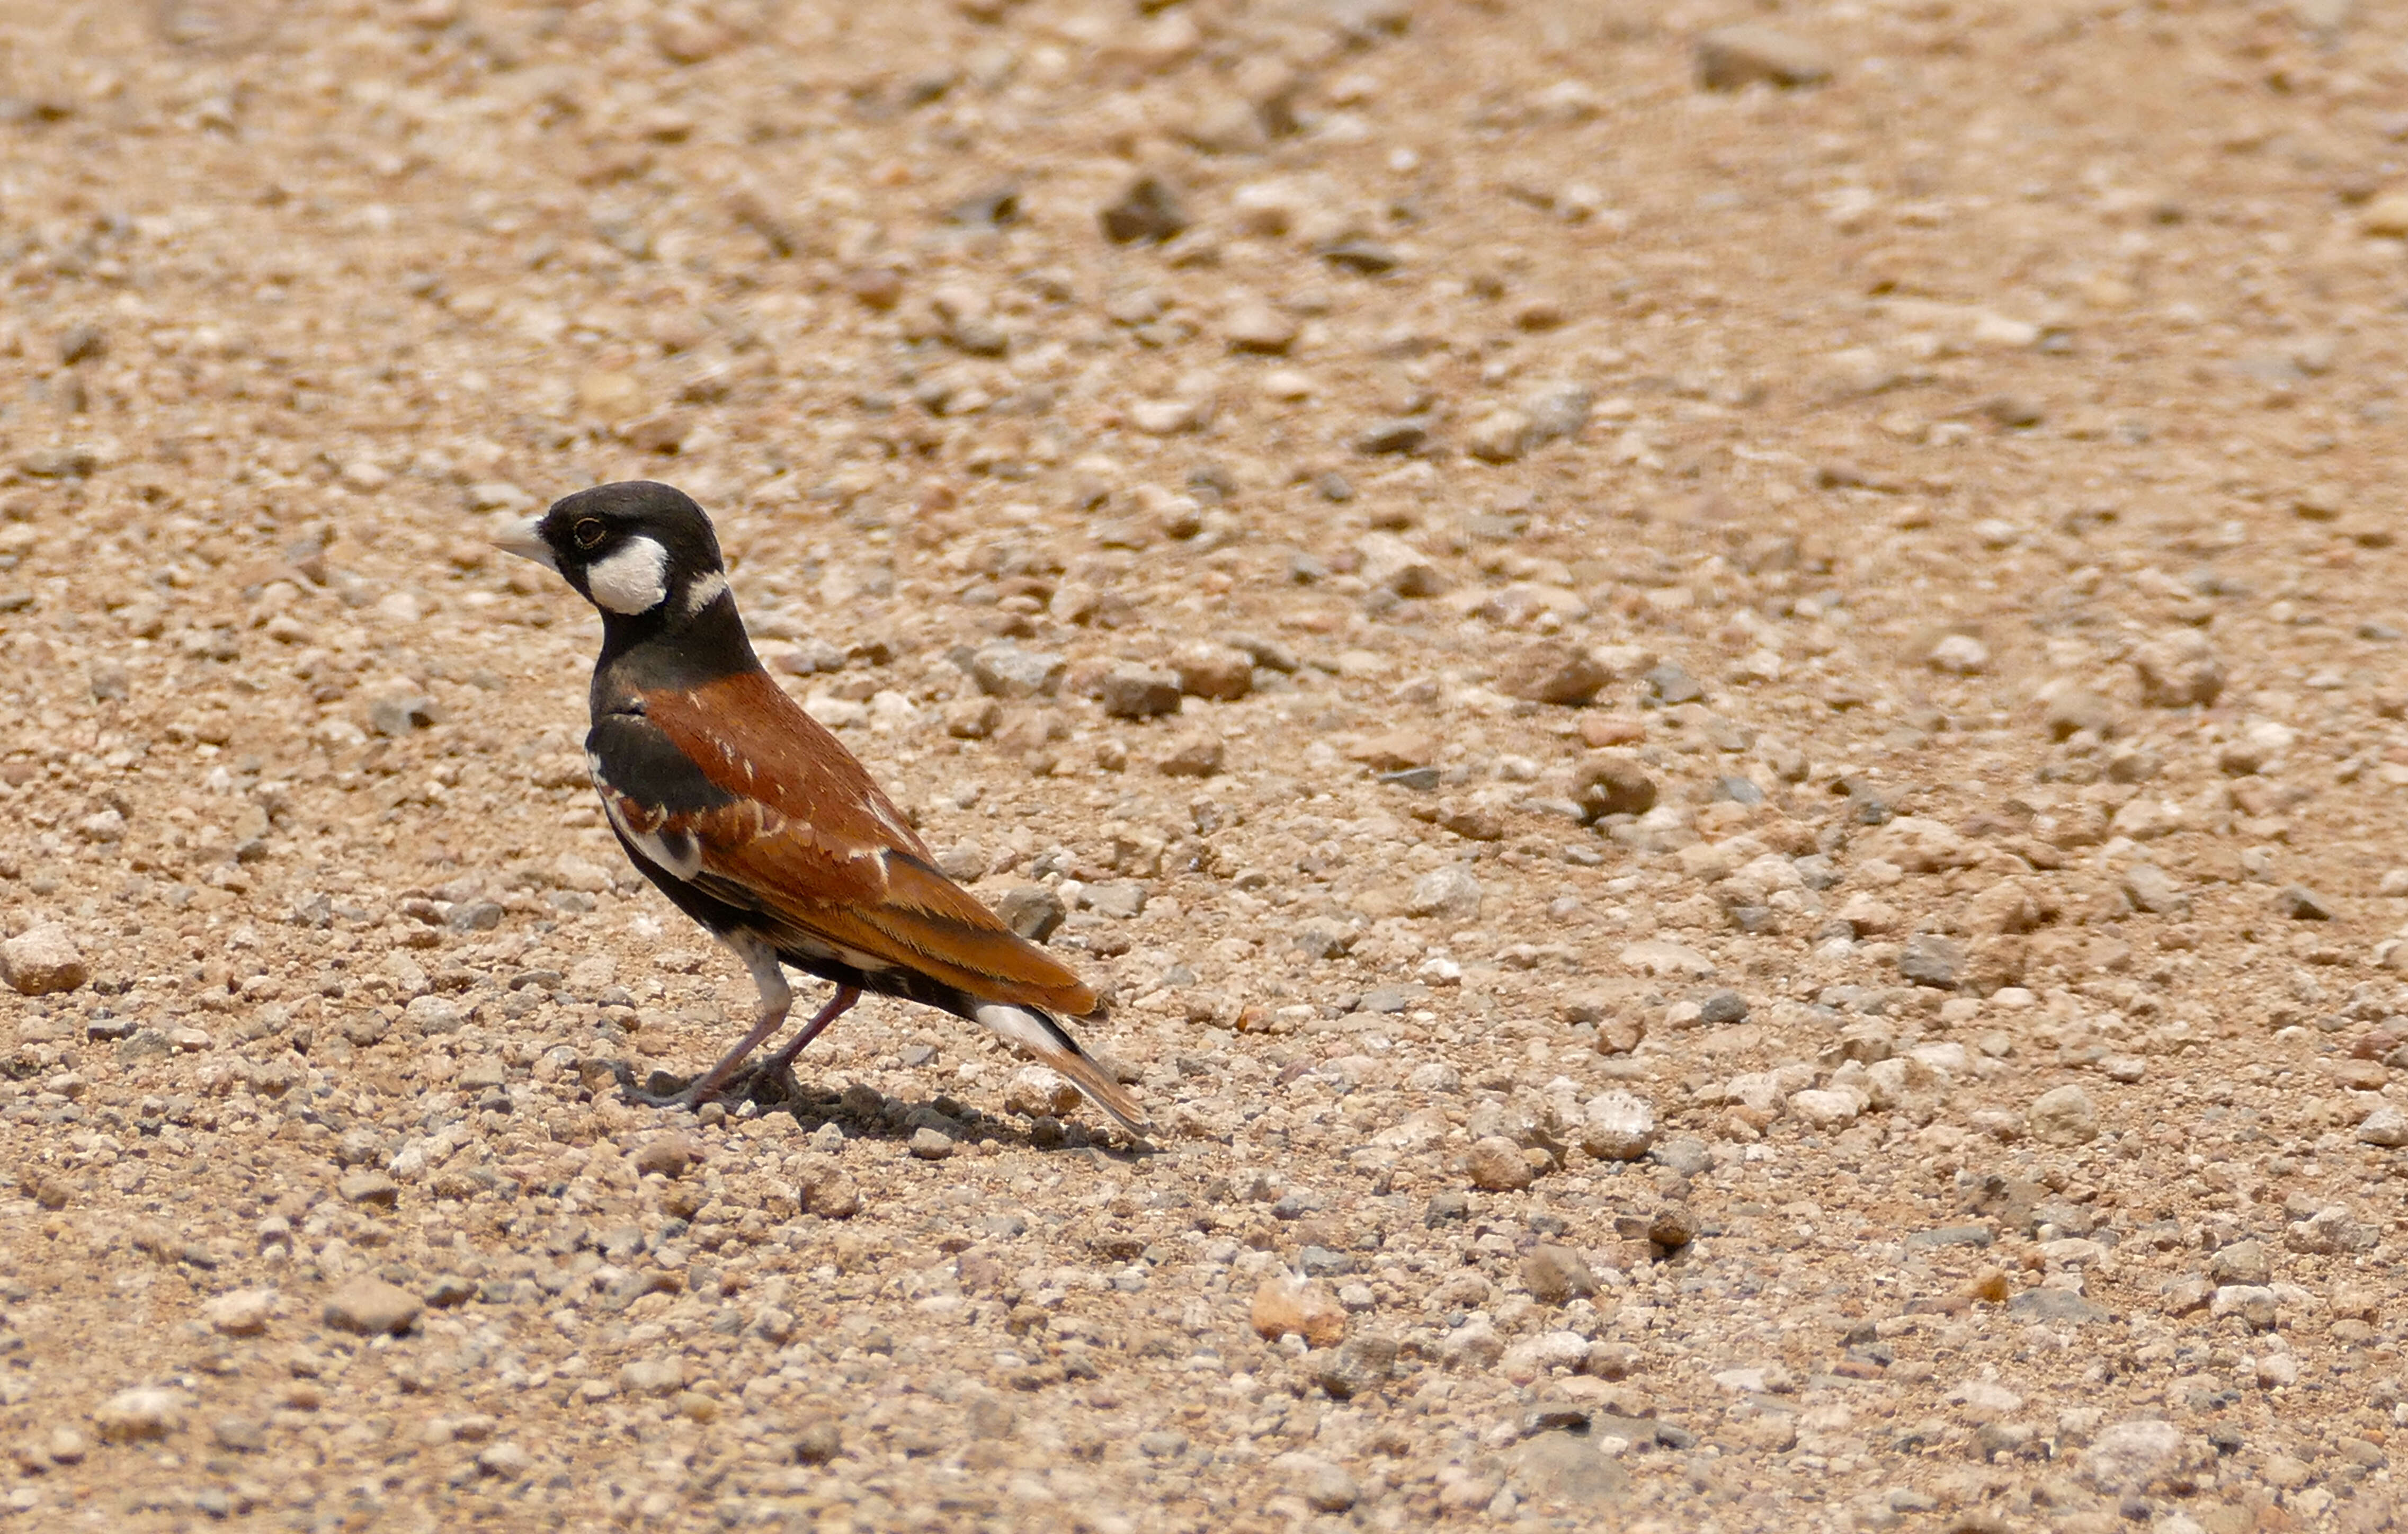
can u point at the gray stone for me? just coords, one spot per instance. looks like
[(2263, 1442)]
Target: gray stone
[(1672, 686), (2128, 1456), (1555, 410), (1449, 892), (2063, 1116), (1122, 898), (1565, 1470), (1032, 911), (1004, 670), (931, 1144), (1497, 1163), (1930, 959), (370, 1187), (1965, 1235), (1139, 691), (1749, 53), (2243, 1262), (2046, 1304), (1362, 1362), (141, 1415), (652, 1376), (1721, 1009), (1683, 1153), (1388, 1000), (2150, 889), (399, 713), (2387, 1126), (1617, 1126)]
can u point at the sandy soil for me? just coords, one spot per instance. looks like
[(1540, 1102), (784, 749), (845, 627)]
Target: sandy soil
[(1720, 691)]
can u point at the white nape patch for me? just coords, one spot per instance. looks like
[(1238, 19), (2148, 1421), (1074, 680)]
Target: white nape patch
[(1020, 1027), (635, 580), (705, 591)]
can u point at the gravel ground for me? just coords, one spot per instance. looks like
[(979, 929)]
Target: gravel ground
[(1720, 695)]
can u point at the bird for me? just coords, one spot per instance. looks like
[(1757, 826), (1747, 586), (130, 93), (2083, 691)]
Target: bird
[(757, 823)]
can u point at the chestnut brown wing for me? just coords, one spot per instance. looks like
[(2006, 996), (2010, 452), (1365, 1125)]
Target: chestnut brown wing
[(810, 841)]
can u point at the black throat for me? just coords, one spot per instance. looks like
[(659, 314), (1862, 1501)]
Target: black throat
[(668, 647)]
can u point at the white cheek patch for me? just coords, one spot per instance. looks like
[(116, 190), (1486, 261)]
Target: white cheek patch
[(632, 580), (703, 590)]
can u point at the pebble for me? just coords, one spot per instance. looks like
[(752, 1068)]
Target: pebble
[(2241, 1262), (1032, 911), (139, 1414), (1036, 1091), (2131, 1456), (1217, 671), (1617, 1126), (1557, 1273), (1552, 671), (2302, 904), (1120, 898), (1722, 1009), (1004, 670), (370, 1187), (654, 1377), (372, 1308), (822, 1187), (667, 1154), (242, 1312), (1497, 1165), (1363, 1362), (43, 960), (2178, 669), (1748, 53), (1930, 959), (2063, 1115), (1286, 1303), (1139, 691), (1252, 325), (930, 1144), (1449, 892), (1961, 654), (1194, 755), (1147, 210), (2387, 1126)]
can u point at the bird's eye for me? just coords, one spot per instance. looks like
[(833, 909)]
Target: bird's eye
[(588, 533)]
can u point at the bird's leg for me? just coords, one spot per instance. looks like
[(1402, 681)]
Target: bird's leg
[(777, 1000), (777, 1067)]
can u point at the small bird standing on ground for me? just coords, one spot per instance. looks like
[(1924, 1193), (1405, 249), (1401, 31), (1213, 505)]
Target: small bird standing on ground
[(757, 823)]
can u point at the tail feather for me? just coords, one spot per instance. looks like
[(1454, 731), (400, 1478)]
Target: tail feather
[(1036, 1034)]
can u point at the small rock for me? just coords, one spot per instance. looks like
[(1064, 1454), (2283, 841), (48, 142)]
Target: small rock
[(1037, 1091), (1391, 564), (1557, 1273), (2126, 1457), (654, 1377), (1363, 1362), (1473, 1345), (1552, 671), (242, 1312), (1730, 57), (1613, 782), (930, 1144), (1497, 1165), (370, 1187), (2178, 669), (1032, 911), (1192, 756), (1286, 1303), (1449, 892), (1004, 670), (242, 1435), (399, 713), (1149, 211), (2149, 888), (2074, 710), (1722, 1009), (1961, 654), (1252, 325), (2387, 1126), (1139, 691), (1930, 959), (2063, 1116), (1673, 686), (1394, 751), (822, 1187), (667, 1154), (43, 960), (1215, 672), (139, 1415), (2241, 1262), (818, 1441), (1326, 1487), (2297, 901), (372, 1308), (1825, 1109), (1617, 1126), (1123, 899), (505, 1460)]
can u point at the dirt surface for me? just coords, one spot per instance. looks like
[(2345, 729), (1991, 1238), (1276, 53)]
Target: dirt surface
[(1723, 707)]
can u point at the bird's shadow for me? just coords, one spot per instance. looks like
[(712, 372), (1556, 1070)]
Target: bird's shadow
[(812, 1106)]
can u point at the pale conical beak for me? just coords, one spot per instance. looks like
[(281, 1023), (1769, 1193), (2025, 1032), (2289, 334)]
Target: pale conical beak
[(519, 537)]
